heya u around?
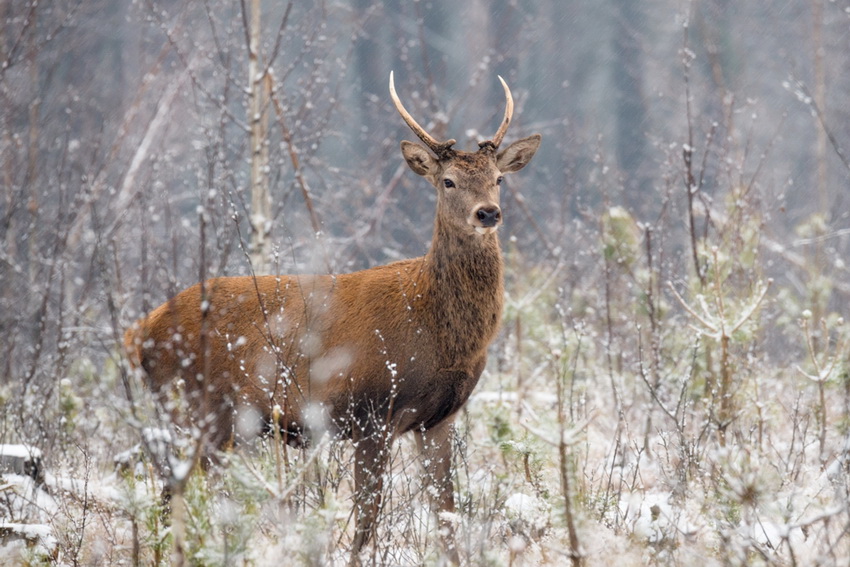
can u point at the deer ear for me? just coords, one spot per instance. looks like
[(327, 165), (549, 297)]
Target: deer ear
[(418, 158), (517, 155)]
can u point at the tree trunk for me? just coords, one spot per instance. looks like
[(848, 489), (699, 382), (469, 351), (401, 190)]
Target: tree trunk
[(258, 119)]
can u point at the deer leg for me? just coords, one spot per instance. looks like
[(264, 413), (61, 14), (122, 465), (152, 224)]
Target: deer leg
[(371, 452), (435, 447)]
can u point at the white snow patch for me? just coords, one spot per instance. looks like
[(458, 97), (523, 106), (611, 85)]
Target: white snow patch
[(16, 538), (771, 534), (23, 500), (490, 397), (653, 519), (20, 451), (180, 468), (527, 513)]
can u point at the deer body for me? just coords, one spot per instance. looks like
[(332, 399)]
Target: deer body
[(341, 343), (367, 355)]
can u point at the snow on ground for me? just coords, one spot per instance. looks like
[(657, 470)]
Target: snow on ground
[(672, 496)]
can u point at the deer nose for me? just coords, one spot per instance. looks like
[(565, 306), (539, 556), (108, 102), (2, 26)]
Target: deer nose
[(489, 216)]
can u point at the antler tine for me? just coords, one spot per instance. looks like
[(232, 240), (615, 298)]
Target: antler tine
[(509, 112), (435, 146)]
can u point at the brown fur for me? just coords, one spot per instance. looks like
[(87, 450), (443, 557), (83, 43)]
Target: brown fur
[(367, 355)]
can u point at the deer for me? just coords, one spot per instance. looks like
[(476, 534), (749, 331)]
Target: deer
[(368, 355)]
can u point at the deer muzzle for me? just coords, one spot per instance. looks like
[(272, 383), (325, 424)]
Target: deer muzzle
[(488, 216)]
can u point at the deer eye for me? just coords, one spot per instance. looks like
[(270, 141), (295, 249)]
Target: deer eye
[(499, 180), (448, 183)]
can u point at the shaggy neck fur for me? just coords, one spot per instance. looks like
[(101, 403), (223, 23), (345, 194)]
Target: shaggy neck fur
[(466, 290)]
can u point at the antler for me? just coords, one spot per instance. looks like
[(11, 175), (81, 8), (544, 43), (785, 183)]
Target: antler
[(509, 112), (438, 148)]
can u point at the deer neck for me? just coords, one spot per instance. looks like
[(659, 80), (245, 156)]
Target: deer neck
[(466, 288)]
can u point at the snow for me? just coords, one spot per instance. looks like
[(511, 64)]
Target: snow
[(20, 451), (531, 511), (505, 397), (180, 468), (16, 539), (30, 531)]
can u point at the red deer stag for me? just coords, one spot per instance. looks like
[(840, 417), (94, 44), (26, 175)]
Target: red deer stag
[(367, 355)]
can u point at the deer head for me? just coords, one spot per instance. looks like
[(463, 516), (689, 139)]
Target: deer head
[(467, 183)]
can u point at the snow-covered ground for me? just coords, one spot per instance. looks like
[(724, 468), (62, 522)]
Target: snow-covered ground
[(673, 497)]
